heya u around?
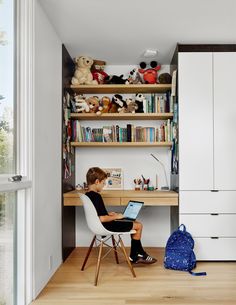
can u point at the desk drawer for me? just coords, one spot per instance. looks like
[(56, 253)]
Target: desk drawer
[(111, 201), (151, 201), (210, 225), (72, 201), (215, 249), (207, 202)]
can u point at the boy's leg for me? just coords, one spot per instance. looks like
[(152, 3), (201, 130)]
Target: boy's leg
[(137, 253)]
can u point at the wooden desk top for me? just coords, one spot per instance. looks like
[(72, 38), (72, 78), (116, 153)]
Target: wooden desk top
[(121, 197)]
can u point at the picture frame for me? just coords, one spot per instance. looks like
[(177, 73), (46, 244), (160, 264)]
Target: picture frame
[(114, 179)]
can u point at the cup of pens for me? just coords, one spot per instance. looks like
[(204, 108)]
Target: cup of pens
[(145, 183), (137, 183)]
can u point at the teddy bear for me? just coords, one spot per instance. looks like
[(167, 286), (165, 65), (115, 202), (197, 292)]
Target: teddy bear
[(80, 104), (118, 99), (131, 105), (94, 105), (165, 78), (98, 71), (83, 75), (105, 104), (140, 100), (150, 74)]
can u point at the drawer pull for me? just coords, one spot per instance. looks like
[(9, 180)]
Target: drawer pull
[(214, 190), (214, 237), (214, 214)]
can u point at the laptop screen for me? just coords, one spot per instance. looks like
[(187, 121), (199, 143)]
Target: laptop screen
[(132, 209)]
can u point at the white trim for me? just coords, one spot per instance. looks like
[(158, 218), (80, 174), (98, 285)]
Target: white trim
[(25, 32)]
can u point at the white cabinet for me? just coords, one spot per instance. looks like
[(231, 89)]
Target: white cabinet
[(224, 120), (207, 121), (195, 121), (207, 164)]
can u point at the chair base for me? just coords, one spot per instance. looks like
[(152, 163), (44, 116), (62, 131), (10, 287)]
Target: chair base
[(115, 245)]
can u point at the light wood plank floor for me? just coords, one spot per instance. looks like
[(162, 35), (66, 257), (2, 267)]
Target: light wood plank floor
[(153, 285)]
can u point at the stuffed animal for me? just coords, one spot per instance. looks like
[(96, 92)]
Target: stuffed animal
[(80, 104), (98, 71), (114, 79), (105, 104), (165, 78), (134, 77), (118, 99), (94, 105), (140, 100), (131, 105), (83, 75), (150, 74)]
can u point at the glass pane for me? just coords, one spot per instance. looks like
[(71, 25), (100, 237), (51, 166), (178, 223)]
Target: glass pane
[(7, 247), (7, 156)]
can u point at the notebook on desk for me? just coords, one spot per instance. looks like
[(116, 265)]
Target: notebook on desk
[(132, 210)]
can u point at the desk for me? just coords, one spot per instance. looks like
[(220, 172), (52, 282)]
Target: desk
[(122, 197)]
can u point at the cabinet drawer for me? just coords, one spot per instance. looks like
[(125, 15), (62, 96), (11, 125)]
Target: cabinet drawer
[(207, 202), (111, 201), (215, 249), (152, 201), (210, 225)]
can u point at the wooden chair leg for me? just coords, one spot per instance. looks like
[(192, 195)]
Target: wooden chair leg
[(126, 257), (114, 247), (88, 253), (98, 263)]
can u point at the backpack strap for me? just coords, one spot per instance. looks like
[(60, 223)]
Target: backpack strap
[(182, 228), (197, 273)]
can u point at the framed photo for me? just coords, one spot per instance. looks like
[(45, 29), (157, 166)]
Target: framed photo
[(114, 179)]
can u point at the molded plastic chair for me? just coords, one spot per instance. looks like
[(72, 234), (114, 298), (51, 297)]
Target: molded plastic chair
[(97, 228)]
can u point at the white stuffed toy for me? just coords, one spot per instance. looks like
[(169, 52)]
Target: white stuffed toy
[(81, 104), (83, 75)]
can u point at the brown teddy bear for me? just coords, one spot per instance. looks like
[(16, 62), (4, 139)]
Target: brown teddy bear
[(94, 105), (83, 75), (105, 104), (131, 105)]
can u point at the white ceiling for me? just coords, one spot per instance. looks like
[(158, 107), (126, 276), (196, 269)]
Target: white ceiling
[(118, 31)]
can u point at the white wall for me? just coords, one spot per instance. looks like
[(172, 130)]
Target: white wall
[(134, 162), (47, 180)]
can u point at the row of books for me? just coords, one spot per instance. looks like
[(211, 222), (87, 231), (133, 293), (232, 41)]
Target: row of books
[(114, 133), (159, 103)]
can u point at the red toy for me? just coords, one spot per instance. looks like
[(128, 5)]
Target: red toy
[(97, 71), (150, 74)]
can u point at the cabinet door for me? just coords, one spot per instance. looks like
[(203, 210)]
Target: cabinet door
[(225, 120), (195, 121)]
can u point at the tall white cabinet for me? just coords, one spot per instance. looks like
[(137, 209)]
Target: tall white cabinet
[(207, 151)]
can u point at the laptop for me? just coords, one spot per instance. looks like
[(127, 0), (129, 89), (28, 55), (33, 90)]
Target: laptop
[(132, 210)]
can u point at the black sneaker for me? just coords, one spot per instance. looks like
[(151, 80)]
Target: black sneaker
[(143, 259)]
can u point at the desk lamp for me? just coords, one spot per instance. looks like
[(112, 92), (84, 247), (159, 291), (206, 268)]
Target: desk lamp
[(166, 187)]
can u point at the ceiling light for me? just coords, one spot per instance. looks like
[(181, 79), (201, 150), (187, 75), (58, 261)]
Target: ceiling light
[(150, 53)]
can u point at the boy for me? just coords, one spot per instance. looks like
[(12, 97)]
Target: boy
[(96, 179)]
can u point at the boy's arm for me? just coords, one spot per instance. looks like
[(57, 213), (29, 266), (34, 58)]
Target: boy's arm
[(113, 216)]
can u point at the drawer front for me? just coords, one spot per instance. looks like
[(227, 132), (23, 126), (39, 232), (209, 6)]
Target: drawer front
[(207, 202), (215, 249), (152, 201), (111, 201), (210, 225)]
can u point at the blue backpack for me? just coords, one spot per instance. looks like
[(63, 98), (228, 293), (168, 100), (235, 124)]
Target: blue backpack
[(179, 253)]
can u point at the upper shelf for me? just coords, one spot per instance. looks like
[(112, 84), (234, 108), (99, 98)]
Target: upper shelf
[(142, 88), (122, 116)]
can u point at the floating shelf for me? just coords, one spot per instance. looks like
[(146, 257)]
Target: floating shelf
[(122, 144), (122, 116), (142, 88)]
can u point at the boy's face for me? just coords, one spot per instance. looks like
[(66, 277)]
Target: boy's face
[(100, 184)]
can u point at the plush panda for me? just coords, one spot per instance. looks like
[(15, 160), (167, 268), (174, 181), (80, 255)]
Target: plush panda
[(140, 100)]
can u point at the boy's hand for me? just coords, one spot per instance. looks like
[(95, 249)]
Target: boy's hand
[(111, 213), (119, 216)]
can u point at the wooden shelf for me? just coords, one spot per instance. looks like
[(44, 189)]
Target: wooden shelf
[(122, 116), (123, 144), (142, 88)]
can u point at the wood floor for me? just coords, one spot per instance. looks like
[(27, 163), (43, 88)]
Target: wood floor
[(153, 285)]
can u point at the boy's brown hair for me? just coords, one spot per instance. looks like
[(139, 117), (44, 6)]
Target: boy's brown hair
[(95, 173)]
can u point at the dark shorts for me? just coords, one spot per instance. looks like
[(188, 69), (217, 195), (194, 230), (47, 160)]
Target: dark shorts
[(118, 226)]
